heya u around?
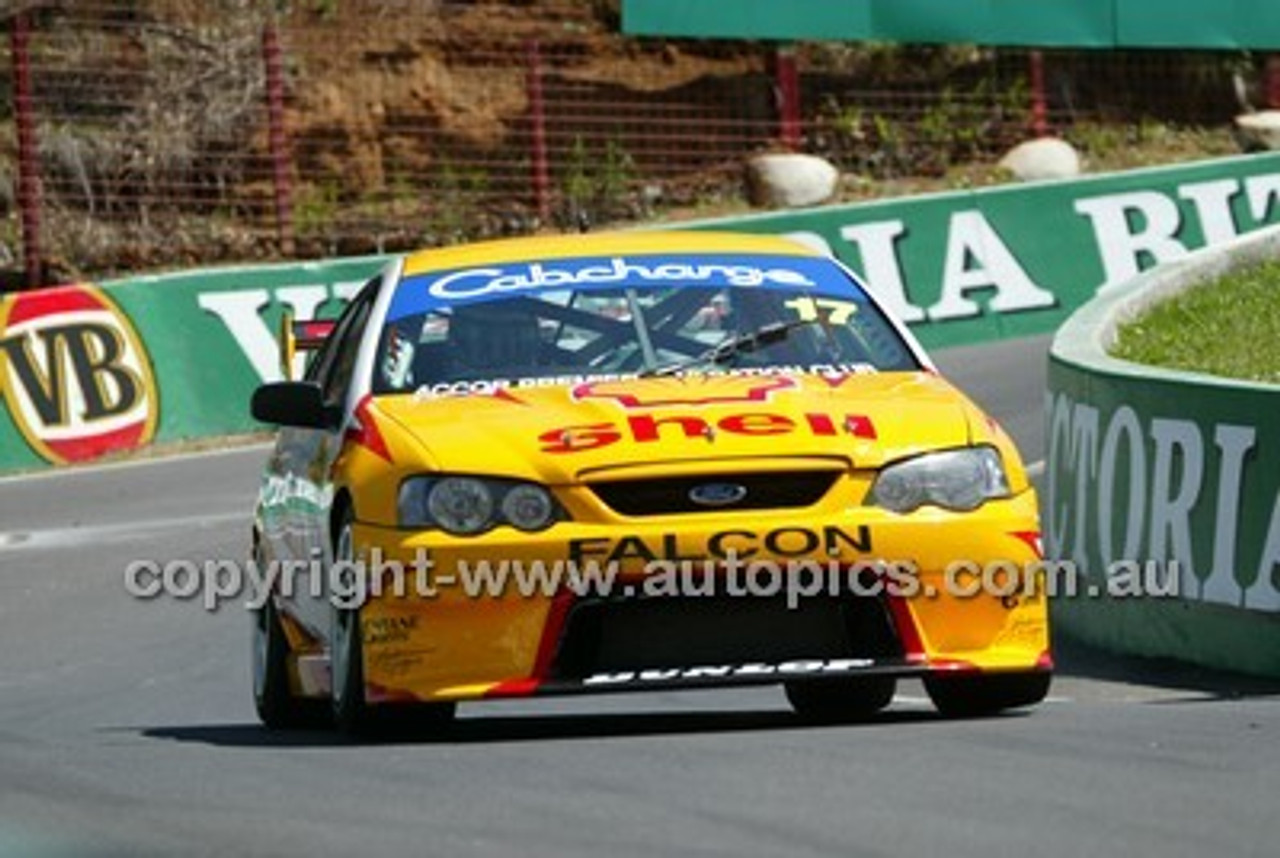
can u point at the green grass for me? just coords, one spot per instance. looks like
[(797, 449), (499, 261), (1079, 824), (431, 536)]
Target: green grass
[(1228, 327)]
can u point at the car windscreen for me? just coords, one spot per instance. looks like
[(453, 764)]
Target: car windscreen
[(582, 318)]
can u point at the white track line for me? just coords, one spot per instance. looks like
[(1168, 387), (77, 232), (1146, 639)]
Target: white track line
[(98, 534)]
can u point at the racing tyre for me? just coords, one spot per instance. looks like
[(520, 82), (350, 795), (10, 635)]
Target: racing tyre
[(351, 712), (972, 696), (346, 647), (278, 707), (832, 700)]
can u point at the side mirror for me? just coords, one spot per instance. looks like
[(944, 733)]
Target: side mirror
[(294, 403)]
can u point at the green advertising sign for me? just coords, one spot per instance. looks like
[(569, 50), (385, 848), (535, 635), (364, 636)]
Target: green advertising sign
[(1167, 471), (91, 371), (214, 335), (1242, 24)]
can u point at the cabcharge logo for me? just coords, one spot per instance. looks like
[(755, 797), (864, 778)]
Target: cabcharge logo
[(75, 376), (745, 271)]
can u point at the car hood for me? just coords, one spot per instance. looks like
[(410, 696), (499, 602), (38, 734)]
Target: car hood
[(562, 434)]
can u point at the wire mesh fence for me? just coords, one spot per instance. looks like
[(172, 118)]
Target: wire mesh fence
[(141, 134)]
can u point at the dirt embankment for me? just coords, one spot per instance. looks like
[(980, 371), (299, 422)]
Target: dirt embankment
[(373, 86)]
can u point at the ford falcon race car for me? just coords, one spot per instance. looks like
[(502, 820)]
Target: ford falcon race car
[(632, 461)]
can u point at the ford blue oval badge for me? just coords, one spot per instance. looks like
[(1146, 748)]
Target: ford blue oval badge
[(717, 494)]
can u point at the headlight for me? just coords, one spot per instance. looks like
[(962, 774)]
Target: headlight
[(955, 479), (466, 506), (528, 507), (460, 505)]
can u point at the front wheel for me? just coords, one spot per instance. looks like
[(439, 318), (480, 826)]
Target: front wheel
[(346, 646), (961, 696), (832, 700), (351, 711)]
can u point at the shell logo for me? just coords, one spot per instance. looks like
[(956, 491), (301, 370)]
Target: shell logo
[(685, 390), (74, 374)]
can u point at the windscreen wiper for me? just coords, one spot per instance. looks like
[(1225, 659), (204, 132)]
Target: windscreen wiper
[(733, 345)]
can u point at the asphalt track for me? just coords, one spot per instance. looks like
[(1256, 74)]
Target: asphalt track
[(126, 727)]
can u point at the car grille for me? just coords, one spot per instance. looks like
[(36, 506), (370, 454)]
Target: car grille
[(666, 495), (639, 633)]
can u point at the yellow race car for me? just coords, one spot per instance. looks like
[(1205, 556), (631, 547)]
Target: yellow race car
[(634, 461)]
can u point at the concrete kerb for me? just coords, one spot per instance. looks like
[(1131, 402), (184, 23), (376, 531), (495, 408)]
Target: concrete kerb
[(1226, 517), (1085, 339)]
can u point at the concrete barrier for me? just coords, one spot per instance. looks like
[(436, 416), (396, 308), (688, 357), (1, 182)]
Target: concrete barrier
[(1178, 471)]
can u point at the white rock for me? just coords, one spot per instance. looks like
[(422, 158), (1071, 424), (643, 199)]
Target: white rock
[(790, 180), (1259, 130), (1044, 158)]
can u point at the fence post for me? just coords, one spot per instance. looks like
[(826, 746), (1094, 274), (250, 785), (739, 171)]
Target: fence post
[(28, 154), (277, 139), (1273, 82), (538, 132), (787, 89), (1039, 103)]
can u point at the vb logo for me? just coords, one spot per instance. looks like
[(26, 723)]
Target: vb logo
[(74, 374)]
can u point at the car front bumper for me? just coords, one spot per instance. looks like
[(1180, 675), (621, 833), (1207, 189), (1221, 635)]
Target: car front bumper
[(509, 613)]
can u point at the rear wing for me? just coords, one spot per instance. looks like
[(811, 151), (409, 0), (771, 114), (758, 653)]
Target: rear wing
[(301, 336)]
